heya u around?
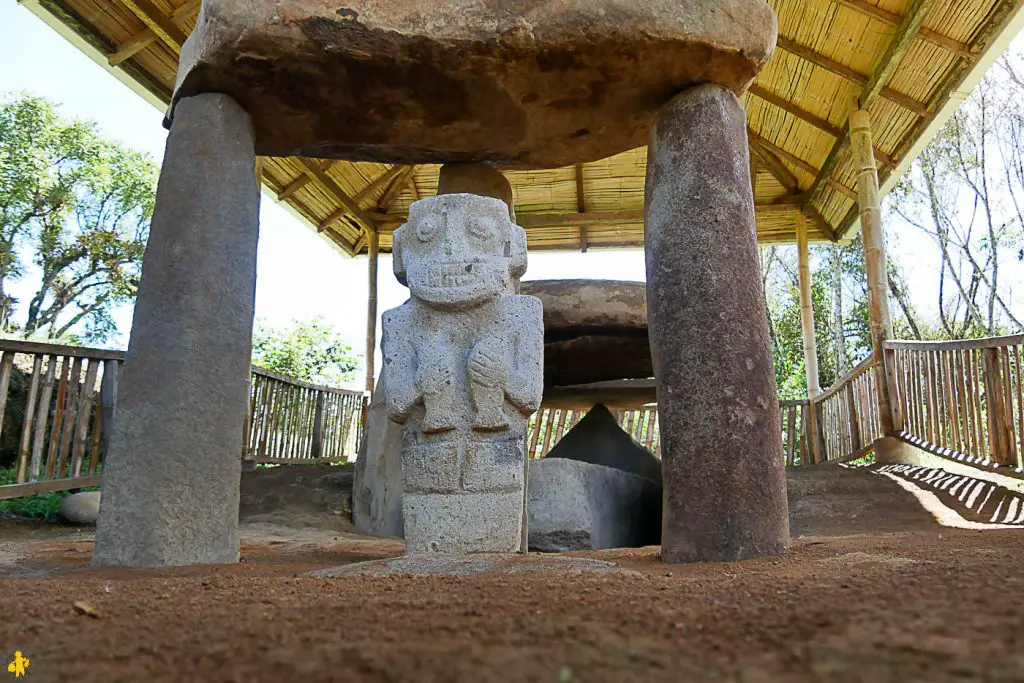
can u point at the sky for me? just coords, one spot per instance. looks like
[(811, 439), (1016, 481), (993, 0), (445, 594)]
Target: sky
[(298, 275)]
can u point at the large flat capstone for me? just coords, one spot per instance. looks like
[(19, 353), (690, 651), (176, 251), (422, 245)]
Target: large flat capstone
[(545, 83), (588, 322)]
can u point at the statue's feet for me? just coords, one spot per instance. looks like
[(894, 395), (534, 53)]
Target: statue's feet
[(434, 423), (490, 421)]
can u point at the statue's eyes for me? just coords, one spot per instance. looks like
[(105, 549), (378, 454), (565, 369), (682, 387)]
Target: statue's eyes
[(426, 229), (481, 227)]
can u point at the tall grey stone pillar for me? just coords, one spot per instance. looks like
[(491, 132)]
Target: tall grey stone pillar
[(725, 487), (170, 480)]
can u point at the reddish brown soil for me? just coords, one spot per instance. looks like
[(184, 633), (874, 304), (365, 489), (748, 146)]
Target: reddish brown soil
[(913, 606)]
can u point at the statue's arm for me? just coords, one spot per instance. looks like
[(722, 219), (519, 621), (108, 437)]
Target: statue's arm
[(526, 376), (399, 366)]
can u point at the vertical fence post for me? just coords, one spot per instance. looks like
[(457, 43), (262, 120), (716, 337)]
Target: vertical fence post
[(995, 400), (108, 400), (317, 445)]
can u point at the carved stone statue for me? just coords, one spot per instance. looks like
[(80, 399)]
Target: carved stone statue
[(463, 368)]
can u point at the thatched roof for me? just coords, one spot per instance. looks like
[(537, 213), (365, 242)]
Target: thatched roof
[(906, 60)]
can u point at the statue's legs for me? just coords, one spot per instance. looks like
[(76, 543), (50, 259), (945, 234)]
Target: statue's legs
[(725, 487), (170, 481)]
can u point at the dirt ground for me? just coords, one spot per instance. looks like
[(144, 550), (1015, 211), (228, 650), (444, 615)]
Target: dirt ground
[(926, 604)]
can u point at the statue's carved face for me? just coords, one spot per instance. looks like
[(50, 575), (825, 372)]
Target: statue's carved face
[(459, 250)]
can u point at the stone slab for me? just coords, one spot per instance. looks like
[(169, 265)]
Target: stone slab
[(171, 478), (468, 565), (577, 307), (575, 505), (598, 439), (377, 488), (539, 84), (725, 487), (597, 358)]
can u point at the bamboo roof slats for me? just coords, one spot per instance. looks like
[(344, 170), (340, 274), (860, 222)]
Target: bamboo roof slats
[(902, 59)]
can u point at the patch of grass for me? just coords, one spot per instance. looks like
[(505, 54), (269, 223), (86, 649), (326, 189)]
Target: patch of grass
[(868, 459), (42, 506)]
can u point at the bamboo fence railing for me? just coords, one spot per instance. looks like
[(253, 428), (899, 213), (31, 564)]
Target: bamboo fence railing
[(291, 421), (64, 397), (962, 398)]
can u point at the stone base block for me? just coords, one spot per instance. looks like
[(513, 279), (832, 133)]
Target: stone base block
[(580, 506), (463, 522)]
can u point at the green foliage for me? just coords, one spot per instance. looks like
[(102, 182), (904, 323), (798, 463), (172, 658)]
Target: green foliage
[(80, 205), (310, 350), (42, 506)]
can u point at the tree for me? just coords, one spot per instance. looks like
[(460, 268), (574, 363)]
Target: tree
[(81, 206), (310, 350), (966, 192)]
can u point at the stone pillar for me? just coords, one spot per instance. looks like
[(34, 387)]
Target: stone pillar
[(721, 443), (478, 179), (171, 477)]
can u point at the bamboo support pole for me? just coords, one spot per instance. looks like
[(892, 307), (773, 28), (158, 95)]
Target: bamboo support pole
[(371, 311), (874, 255), (807, 309)]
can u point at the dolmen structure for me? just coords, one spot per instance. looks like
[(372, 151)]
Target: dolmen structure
[(487, 84)]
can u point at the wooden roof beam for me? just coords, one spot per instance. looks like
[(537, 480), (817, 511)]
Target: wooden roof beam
[(803, 166), (300, 182), (772, 163), (875, 86), (144, 38), (531, 221), (581, 206), (933, 37), (392, 172), (158, 22), (395, 188), (917, 11), (905, 101), (808, 117), (327, 184)]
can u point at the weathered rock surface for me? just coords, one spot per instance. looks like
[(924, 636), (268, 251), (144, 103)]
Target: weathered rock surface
[(588, 322), (597, 358), (377, 490), (80, 508), (525, 84), (577, 505), (170, 481), (580, 307), (598, 439), (725, 488)]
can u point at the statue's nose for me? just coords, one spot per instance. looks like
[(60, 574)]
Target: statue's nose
[(450, 239)]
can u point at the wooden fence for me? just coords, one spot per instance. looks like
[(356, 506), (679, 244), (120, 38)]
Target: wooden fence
[(55, 402), (548, 426), (291, 421), (846, 416), (962, 397), (795, 445), (65, 394)]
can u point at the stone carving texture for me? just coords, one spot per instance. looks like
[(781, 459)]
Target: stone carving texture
[(463, 369)]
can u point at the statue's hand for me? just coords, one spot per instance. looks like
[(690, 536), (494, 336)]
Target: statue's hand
[(487, 367)]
